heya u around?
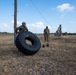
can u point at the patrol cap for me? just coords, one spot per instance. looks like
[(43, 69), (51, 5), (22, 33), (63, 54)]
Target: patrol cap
[(46, 26), (23, 22)]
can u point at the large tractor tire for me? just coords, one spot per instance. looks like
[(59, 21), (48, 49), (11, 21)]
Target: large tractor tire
[(22, 43)]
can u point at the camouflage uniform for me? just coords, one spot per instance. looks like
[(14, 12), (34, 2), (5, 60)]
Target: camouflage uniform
[(22, 27), (59, 31), (46, 34)]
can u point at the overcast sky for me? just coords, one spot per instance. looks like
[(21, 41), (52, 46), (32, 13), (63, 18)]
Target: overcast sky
[(38, 14)]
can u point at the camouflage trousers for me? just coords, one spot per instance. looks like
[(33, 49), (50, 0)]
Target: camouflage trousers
[(46, 38)]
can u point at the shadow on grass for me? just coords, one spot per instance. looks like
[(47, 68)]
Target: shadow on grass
[(10, 51)]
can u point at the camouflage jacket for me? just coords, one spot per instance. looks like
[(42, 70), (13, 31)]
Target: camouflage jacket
[(18, 29), (46, 31)]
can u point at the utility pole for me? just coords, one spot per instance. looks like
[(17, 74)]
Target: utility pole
[(15, 19)]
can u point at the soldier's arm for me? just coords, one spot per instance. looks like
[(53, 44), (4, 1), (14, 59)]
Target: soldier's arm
[(49, 31), (44, 32), (17, 29), (26, 28)]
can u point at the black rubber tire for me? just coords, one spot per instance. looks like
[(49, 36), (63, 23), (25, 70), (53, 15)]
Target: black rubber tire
[(23, 46)]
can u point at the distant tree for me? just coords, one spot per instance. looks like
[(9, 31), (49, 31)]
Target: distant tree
[(65, 33)]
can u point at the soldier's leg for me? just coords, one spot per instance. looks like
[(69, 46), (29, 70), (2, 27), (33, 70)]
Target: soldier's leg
[(47, 44), (47, 38), (44, 38)]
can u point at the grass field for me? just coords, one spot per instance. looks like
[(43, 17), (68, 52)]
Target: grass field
[(58, 59)]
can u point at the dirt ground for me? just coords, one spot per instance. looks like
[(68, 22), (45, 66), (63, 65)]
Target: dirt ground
[(58, 59)]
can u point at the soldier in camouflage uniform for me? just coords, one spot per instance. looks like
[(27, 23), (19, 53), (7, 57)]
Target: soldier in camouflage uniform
[(59, 31), (46, 34), (22, 27)]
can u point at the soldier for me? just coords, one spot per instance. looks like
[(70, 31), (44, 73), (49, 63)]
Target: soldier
[(22, 27), (46, 34), (59, 31)]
